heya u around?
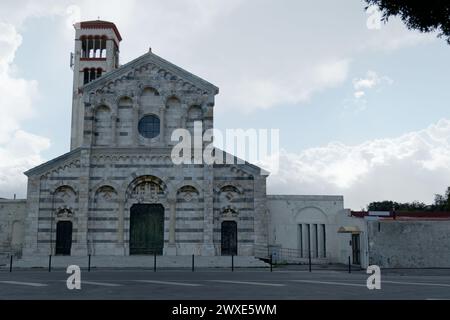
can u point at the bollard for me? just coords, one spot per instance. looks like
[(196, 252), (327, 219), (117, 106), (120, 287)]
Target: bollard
[(193, 261), (154, 262), (49, 263), (10, 263), (271, 262), (232, 262), (309, 260), (349, 265), (89, 263)]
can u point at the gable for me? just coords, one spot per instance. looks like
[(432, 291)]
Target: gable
[(166, 69)]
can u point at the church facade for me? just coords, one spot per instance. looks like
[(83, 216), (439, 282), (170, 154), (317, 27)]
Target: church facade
[(118, 192)]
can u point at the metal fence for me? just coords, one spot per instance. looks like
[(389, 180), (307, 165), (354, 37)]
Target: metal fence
[(280, 255)]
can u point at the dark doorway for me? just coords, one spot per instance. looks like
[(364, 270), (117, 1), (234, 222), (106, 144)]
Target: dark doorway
[(229, 238), (146, 229), (356, 249), (63, 238)]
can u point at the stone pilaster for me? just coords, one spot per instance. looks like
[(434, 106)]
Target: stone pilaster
[(32, 217), (208, 211), (83, 204), (261, 215), (171, 249)]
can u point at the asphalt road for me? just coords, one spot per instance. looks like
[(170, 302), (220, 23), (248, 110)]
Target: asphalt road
[(210, 284)]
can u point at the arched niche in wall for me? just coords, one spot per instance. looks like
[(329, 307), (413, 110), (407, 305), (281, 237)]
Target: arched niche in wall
[(103, 126), (194, 114), (173, 117), (125, 121)]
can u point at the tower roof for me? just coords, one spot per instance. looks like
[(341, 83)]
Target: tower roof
[(100, 24)]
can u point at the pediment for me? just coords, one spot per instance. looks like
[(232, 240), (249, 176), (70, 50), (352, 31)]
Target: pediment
[(151, 63)]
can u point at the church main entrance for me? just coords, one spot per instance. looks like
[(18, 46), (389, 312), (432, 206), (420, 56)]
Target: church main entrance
[(146, 229)]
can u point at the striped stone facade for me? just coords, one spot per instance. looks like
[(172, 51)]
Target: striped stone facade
[(112, 167)]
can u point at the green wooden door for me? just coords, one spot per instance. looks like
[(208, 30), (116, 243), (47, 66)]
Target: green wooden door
[(146, 229)]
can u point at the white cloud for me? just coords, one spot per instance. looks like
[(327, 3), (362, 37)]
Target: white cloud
[(370, 81), (394, 36), (19, 150), (261, 55), (362, 86), (411, 167)]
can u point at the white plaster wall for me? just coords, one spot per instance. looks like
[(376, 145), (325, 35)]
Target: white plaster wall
[(287, 212)]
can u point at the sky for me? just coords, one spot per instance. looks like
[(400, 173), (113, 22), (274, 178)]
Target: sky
[(362, 107)]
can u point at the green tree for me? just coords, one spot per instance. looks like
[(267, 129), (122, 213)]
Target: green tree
[(425, 16), (441, 203)]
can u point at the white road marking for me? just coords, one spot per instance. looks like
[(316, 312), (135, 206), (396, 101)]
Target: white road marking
[(171, 283), (30, 284), (332, 283), (251, 283), (104, 284), (417, 283)]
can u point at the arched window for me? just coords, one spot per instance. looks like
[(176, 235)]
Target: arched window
[(149, 126)]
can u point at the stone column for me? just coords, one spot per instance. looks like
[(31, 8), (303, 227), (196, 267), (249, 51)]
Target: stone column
[(120, 224), (135, 132), (162, 122), (171, 249)]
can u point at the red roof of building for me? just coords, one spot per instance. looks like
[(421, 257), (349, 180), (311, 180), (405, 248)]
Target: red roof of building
[(100, 24), (405, 215)]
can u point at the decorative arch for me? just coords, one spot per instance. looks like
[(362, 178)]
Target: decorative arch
[(311, 214), (228, 193), (195, 113), (125, 101), (146, 189), (64, 195), (149, 91), (105, 193), (188, 193), (173, 101)]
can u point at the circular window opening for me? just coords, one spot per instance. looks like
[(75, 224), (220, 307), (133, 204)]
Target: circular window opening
[(149, 126)]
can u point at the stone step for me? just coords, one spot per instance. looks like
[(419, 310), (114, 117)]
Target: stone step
[(141, 262)]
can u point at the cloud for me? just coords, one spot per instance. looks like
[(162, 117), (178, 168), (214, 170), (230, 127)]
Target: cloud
[(411, 167), (19, 150), (362, 86), (262, 55), (371, 80)]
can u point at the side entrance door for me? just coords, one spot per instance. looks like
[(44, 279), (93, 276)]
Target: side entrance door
[(63, 238), (356, 249), (229, 238)]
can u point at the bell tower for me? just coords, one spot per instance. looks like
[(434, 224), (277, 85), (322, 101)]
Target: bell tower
[(96, 53)]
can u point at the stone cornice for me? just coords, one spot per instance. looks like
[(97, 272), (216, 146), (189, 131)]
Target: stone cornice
[(157, 61)]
